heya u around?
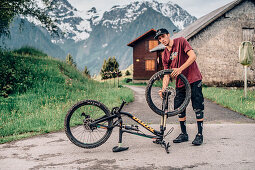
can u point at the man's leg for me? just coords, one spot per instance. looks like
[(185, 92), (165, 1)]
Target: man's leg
[(178, 100), (198, 107)]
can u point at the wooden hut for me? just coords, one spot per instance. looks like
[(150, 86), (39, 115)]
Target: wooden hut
[(145, 63)]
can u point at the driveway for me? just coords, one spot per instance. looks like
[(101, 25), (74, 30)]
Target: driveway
[(228, 144)]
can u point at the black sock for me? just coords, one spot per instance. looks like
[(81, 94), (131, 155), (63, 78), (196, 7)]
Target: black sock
[(183, 127), (200, 127)]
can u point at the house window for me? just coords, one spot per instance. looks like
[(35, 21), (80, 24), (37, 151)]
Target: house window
[(248, 34), (150, 65), (153, 44)]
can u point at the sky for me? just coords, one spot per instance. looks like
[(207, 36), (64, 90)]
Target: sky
[(197, 8)]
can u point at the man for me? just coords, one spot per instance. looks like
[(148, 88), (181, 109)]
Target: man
[(180, 57)]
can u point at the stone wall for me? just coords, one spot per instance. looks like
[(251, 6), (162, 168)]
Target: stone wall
[(217, 46)]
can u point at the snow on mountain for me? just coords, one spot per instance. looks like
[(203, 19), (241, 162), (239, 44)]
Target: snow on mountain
[(180, 17), (78, 25), (72, 23), (119, 15), (69, 21)]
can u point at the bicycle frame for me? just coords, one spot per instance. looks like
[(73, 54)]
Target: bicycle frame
[(158, 135), (120, 122)]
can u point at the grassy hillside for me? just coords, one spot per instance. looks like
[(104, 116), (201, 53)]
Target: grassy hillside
[(36, 92)]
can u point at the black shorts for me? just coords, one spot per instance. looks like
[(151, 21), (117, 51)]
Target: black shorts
[(197, 98)]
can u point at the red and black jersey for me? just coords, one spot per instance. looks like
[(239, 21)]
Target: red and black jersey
[(177, 56)]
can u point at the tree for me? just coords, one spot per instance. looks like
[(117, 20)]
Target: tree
[(86, 72), (69, 60), (104, 70), (110, 69), (11, 8)]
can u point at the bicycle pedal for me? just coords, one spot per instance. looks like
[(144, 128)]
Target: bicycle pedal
[(119, 149)]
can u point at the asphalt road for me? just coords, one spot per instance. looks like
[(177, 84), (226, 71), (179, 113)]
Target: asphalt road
[(228, 144)]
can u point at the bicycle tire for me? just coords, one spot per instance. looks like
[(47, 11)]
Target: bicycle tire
[(158, 77), (74, 121)]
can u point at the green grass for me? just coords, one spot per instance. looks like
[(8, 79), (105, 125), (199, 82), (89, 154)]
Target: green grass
[(232, 99), (51, 88)]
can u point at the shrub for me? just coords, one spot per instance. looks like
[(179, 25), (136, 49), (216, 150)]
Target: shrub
[(30, 51), (127, 73), (127, 80)]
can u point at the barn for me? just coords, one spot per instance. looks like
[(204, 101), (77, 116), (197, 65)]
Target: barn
[(215, 39), (144, 62)]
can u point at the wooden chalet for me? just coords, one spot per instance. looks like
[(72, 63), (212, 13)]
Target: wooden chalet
[(145, 63)]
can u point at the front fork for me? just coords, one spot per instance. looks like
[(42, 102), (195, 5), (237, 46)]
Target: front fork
[(160, 140), (160, 137)]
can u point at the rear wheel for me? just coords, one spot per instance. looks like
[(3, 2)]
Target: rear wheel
[(78, 124), (155, 84)]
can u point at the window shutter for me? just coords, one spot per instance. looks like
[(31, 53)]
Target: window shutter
[(153, 44), (150, 65)]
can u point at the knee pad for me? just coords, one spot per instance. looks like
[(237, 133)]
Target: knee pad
[(199, 113), (182, 115)]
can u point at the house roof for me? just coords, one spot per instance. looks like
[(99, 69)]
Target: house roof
[(132, 43), (201, 23)]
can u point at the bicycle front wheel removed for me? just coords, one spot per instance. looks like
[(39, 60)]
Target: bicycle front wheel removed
[(155, 84), (78, 124)]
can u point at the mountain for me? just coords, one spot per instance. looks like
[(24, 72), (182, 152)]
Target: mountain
[(119, 15), (104, 42), (28, 34), (90, 36), (121, 24)]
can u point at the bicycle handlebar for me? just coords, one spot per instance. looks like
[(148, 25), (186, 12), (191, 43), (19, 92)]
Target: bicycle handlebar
[(121, 106)]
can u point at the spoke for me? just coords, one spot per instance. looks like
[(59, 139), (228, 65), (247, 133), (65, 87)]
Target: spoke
[(76, 133), (82, 136), (94, 136), (91, 135), (98, 134)]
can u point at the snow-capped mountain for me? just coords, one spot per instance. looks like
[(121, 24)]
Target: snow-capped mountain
[(77, 25), (119, 15), (72, 23)]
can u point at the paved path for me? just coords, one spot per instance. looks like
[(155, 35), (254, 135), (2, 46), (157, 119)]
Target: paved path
[(229, 144)]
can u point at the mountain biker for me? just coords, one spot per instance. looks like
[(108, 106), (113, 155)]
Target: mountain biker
[(179, 56)]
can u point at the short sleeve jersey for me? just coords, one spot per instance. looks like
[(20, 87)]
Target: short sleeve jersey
[(177, 56)]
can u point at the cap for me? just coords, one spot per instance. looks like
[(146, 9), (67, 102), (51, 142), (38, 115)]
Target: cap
[(160, 32)]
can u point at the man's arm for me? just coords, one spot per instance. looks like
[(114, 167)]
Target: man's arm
[(166, 80), (191, 59)]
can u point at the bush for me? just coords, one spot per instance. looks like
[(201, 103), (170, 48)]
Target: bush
[(127, 80), (30, 51), (15, 74), (127, 73)]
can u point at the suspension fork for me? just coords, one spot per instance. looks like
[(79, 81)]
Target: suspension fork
[(164, 116)]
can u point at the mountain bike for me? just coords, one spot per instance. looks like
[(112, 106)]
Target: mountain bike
[(89, 123)]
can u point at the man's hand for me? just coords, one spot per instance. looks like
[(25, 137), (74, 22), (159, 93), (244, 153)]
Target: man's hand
[(176, 72), (160, 93)]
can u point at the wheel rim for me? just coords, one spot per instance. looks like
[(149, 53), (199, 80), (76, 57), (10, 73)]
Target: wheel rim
[(80, 128), (155, 102)]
